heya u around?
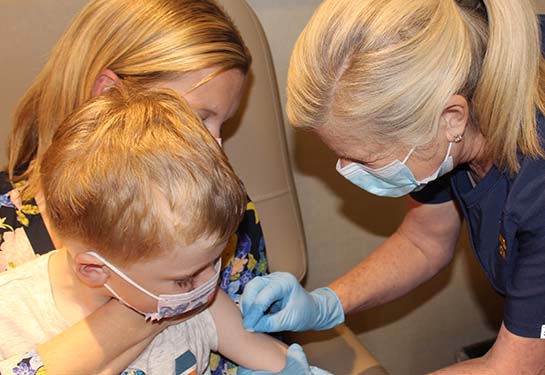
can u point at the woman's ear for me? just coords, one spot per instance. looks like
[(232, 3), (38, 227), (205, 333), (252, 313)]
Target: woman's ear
[(91, 270), (456, 117), (105, 81)]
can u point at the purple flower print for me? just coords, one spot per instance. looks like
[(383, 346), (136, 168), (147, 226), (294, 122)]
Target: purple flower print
[(24, 368)]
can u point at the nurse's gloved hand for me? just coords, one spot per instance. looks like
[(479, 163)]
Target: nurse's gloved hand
[(277, 302), (296, 364)]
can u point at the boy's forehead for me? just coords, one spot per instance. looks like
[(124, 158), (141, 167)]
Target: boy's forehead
[(184, 260)]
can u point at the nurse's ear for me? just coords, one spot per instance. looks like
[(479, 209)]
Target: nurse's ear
[(91, 270), (105, 81), (456, 117)]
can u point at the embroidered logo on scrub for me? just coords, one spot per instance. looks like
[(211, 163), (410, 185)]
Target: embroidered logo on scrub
[(503, 247), (186, 364)]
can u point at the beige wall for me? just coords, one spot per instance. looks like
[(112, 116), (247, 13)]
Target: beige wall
[(343, 224), (13, 89)]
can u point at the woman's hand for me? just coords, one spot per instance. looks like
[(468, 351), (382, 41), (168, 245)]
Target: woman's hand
[(277, 302), (296, 364)]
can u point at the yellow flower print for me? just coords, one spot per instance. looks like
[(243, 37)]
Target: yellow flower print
[(21, 217), (214, 361), (27, 209), (261, 268), (251, 207), (30, 209), (19, 184), (251, 261), (4, 225), (22, 209), (229, 252), (238, 265)]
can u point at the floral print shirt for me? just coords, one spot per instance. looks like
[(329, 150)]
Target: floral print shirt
[(23, 236), (28, 364)]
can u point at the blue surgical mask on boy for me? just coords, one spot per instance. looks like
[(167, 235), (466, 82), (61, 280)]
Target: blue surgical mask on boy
[(168, 305), (393, 180)]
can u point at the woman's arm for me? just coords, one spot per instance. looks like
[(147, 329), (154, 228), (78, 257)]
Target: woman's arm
[(511, 354), (106, 342), (251, 350), (423, 244)]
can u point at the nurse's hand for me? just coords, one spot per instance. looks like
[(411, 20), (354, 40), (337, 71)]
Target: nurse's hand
[(277, 302), (296, 364)]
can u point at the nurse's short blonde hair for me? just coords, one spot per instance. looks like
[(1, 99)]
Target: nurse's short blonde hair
[(142, 41), (134, 173), (386, 68)]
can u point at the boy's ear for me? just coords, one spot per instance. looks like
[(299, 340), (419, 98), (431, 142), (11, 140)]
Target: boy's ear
[(105, 81), (91, 270), (456, 117)]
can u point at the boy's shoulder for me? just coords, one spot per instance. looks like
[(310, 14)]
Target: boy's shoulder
[(32, 271), (28, 314), (26, 287)]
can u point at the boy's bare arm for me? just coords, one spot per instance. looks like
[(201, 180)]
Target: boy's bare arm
[(254, 351)]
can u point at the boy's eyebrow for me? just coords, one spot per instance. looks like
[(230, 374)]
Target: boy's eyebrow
[(187, 276)]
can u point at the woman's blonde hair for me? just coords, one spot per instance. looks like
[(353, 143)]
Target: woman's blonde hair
[(142, 41), (386, 69), (134, 173)]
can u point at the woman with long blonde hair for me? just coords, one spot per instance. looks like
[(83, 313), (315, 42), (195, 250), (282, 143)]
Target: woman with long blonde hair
[(190, 46), (441, 100)]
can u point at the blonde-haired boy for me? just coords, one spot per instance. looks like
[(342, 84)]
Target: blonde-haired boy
[(143, 201)]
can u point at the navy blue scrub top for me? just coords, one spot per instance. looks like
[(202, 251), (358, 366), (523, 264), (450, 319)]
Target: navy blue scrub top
[(506, 221)]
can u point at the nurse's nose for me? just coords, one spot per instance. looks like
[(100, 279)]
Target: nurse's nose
[(345, 162)]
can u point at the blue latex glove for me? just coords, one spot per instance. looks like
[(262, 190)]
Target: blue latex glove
[(296, 364), (277, 302)]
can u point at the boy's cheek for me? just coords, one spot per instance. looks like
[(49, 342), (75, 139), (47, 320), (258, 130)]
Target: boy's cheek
[(213, 295), (145, 305), (137, 299)]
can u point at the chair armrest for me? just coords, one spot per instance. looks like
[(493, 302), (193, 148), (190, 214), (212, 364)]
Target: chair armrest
[(338, 351)]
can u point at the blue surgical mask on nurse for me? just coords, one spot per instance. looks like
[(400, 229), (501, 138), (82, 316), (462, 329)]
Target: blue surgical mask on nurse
[(393, 180)]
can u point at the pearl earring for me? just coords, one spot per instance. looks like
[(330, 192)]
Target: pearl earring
[(458, 138)]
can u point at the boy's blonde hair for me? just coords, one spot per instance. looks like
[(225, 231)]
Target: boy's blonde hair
[(132, 174), (386, 68), (142, 41)]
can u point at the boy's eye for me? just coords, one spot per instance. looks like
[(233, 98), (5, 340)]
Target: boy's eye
[(185, 284)]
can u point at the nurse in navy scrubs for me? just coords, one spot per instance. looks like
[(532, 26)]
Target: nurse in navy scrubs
[(442, 101)]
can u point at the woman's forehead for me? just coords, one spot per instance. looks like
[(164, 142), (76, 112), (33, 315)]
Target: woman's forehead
[(220, 94), (360, 148)]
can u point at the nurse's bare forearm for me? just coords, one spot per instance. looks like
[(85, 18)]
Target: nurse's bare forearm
[(391, 271), (422, 246)]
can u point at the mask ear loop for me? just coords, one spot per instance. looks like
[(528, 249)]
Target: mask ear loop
[(408, 155), (122, 275), (456, 140), (448, 151)]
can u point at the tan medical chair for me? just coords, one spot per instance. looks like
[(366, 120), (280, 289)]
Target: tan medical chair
[(255, 143), (257, 148)]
